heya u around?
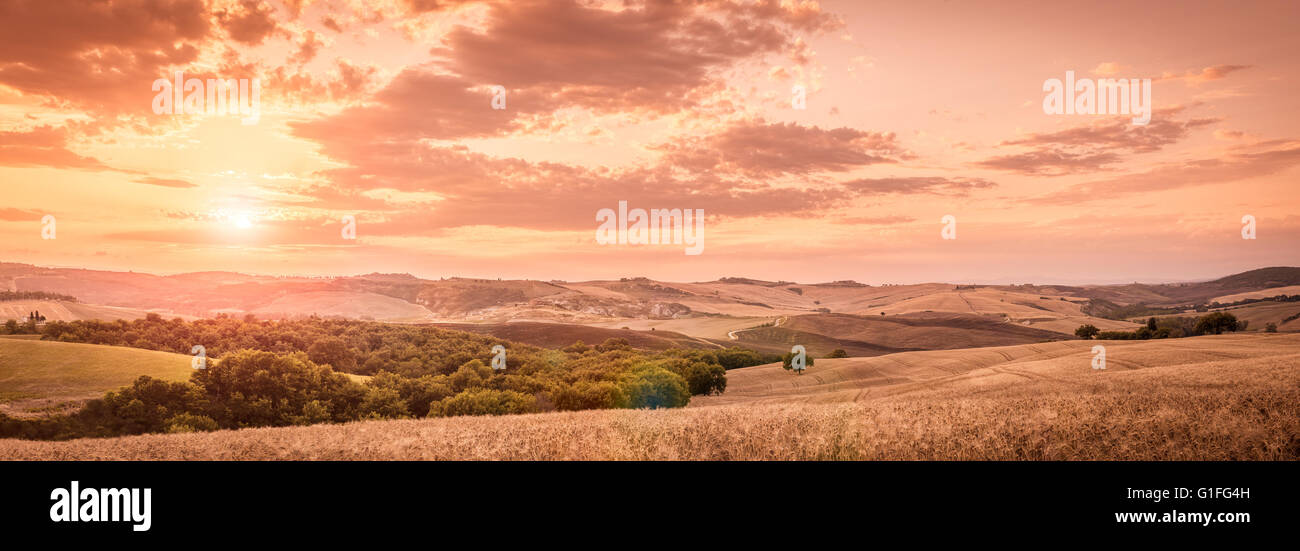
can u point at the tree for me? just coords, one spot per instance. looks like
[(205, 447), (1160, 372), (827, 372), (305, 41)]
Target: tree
[(787, 360), (471, 374), (838, 353), (654, 387), (334, 352), (588, 395), (736, 357), (252, 388), (1086, 332), (1151, 324), (1270, 327), (705, 379), (383, 403), (1216, 322)]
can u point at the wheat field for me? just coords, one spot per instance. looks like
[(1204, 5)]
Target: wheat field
[(1213, 398)]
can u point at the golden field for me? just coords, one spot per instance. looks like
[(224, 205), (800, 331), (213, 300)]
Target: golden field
[(1231, 397), (39, 378)]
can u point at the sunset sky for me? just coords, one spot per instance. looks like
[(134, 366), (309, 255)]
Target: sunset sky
[(381, 109)]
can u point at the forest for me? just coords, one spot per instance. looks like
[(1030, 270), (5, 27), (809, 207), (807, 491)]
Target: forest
[(279, 373)]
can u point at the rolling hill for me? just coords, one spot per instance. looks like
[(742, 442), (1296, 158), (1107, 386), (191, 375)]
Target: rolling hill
[(559, 335), (42, 377), (60, 310), (1231, 397), (724, 312)]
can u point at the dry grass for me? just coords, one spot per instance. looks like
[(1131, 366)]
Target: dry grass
[(39, 378), (1219, 398)]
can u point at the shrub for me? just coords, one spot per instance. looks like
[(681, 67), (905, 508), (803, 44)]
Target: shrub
[(736, 357), (485, 401), (188, 422), (654, 387), (145, 406), (838, 353), (588, 395)]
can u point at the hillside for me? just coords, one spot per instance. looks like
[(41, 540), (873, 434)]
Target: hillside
[(42, 377), (58, 310), (559, 335), (706, 310), (857, 379), (1230, 397)]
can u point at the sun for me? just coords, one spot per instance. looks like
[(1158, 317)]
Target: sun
[(242, 221)]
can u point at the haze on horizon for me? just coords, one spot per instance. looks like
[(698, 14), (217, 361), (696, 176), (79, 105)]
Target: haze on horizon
[(382, 110)]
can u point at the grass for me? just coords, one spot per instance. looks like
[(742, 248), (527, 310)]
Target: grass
[(37, 374), (1211, 398)]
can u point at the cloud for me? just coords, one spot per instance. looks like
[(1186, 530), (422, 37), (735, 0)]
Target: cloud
[(165, 182), (1108, 68), (307, 49), (249, 21), (417, 105), (878, 220), (758, 148), (1093, 147), (1270, 158), (652, 57), (932, 185), (43, 146), (99, 56), (1206, 74), (9, 214)]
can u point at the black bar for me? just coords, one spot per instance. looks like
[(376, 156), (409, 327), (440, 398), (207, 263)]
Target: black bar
[(323, 500)]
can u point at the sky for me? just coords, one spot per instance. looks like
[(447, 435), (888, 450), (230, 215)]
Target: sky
[(822, 140)]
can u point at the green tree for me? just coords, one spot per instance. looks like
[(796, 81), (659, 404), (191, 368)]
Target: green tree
[(1217, 323), (1086, 332), (705, 379), (334, 352), (787, 360), (383, 403), (252, 388), (654, 387)]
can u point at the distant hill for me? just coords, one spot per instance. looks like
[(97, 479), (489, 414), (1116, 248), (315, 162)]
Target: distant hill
[(876, 335), (559, 335), (1262, 278), (612, 304)]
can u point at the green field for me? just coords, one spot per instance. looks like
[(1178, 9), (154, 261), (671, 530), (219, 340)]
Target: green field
[(41, 377)]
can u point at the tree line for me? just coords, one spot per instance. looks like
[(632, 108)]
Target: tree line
[(265, 373), (1170, 328)]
